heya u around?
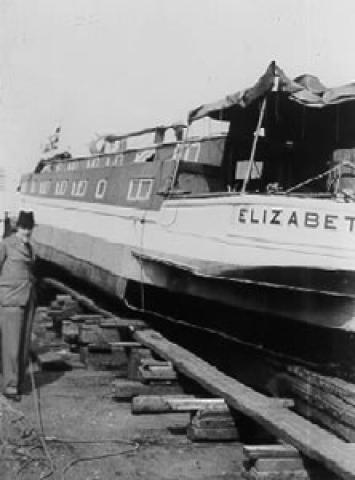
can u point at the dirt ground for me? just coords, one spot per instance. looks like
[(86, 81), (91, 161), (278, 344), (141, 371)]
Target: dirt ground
[(76, 406)]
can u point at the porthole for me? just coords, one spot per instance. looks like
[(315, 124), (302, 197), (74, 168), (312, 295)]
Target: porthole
[(101, 188)]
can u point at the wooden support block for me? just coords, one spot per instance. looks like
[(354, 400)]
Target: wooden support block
[(109, 335), (199, 434), (65, 300), (212, 425), (55, 312), (66, 310), (127, 389), (254, 452), (253, 474), (99, 348), (153, 370), (53, 361), (90, 334), (135, 357), (122, 323), (278, 464), (181, 403), (70, 332), (273, 462), (213, 418), (91, 319)]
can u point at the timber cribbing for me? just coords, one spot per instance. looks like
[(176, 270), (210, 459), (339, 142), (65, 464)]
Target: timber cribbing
[(313, 441)]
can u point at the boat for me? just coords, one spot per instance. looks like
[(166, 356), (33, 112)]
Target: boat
[(260, 218)]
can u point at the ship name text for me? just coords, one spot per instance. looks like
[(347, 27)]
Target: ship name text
[(283, 217)]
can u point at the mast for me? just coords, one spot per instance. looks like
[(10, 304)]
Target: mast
[(275, 86), (253, 149)]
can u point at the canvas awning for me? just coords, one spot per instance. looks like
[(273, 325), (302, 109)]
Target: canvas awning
[(305, 89)]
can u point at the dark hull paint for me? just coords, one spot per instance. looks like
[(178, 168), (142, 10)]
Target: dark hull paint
[(308, 304)]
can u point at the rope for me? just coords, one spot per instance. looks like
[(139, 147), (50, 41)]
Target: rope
[(321, 175), (45, 440)]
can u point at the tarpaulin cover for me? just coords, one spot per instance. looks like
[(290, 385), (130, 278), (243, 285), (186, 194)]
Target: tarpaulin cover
[(305, 89)]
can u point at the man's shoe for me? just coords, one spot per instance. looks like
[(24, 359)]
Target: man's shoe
[(12, 394)]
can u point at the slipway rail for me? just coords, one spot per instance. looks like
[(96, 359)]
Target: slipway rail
[(310, 439)]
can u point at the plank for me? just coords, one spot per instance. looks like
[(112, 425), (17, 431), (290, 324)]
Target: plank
[(254, 474), (118, 345), (253, 452), (278, 464), (120, 322), (213, 434), (127, 389), (168, 403), (307, 437)]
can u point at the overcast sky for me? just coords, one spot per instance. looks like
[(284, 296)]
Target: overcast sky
[(99, 66)]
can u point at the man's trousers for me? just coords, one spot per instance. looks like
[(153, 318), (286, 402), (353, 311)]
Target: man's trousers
[(16, 327)]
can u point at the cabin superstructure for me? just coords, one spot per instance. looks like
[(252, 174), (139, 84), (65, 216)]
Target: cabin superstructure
[(130, 175)]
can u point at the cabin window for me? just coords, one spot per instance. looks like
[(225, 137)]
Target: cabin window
[(192, 152), (61, 187), (133, 189), (78, 188), (73, 188), (101, 188), (117, 160), (44, 187), (140, 189), (82, 186), (144, 156), (93, 163), (33, 186), (145, 189)]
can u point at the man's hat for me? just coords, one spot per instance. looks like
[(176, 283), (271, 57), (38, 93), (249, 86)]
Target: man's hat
[(25, 220)]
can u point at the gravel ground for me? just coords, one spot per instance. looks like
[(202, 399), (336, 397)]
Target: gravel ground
[(76, 406)]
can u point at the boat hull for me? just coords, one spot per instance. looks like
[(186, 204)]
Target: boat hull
[(291, 258)]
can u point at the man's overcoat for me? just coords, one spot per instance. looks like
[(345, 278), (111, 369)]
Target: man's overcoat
[(16, 272)]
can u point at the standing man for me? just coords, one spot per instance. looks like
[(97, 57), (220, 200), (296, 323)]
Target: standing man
[(17, 302)]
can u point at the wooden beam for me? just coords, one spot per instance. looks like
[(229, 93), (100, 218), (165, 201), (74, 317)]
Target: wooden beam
[(307, 437), (268, 451), (169, 403), (118, 345)]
